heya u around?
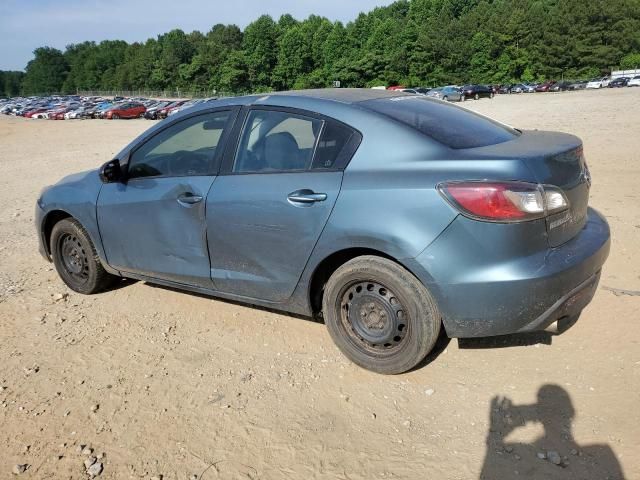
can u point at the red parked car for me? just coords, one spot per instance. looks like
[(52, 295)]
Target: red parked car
[(125, 110), (31, 113), (545, 87), (58, 114), (164, 113)]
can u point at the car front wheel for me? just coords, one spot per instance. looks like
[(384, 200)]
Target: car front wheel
[(379, 315), (76, 260)]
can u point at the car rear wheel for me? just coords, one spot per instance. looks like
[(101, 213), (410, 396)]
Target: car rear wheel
[(379, 315), (76, 260)]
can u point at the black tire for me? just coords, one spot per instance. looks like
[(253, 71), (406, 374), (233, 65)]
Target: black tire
[(445, 98), (379, 315), (115, 116), (476, 97), (76, 260)]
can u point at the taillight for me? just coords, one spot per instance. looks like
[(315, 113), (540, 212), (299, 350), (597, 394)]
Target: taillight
[(504, 201), (554, 200)]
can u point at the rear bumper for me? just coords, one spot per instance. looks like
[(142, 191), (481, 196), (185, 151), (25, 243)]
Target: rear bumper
[(567, 306), (495, 280)]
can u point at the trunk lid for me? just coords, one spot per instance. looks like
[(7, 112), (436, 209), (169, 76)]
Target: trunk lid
[(554, 159)]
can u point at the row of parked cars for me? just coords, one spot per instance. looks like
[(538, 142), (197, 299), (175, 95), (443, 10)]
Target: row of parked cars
[(79, 107), (451, 93), (562, 86), (456, 93)]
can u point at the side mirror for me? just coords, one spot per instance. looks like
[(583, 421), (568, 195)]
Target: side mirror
[(111, 172)]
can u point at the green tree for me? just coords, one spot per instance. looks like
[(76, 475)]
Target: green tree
[(10, 83), (47, 71), (417, 42), (234, 76), (260, 44), (630, 61)]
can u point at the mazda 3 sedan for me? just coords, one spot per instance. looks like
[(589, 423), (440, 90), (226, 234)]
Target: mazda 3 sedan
[(390, 215)]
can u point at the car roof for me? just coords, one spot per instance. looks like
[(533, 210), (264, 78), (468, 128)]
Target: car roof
[(318, 100), (343, 95), (338, 103), (340, 95)]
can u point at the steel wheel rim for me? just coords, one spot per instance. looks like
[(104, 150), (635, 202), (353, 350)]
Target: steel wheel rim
[(373, 317), (75, 260)]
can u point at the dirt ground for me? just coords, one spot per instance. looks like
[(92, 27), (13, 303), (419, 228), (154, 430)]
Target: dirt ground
[(185, 385)]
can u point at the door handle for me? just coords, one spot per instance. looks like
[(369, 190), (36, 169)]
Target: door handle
[(306, 196), (189, 198)]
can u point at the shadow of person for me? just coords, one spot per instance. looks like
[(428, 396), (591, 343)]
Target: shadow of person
[(553, 455)]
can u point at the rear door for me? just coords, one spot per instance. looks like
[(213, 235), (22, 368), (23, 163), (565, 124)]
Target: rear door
[(153, 224), (272, 200)]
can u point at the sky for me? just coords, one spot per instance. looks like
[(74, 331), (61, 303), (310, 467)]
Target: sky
[(28, 24)]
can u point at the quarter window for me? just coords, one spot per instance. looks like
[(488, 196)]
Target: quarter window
[(185, 148), (333, 139)]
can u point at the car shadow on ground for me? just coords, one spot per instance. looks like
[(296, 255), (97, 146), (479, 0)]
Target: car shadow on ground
[(524, 339), (506, 341), (502, 341), (236, 302), (120, 283), (553, 455)]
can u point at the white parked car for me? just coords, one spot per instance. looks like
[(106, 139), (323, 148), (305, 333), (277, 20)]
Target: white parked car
[(74, 113), (190, 103), (599, 82), (634, 82)]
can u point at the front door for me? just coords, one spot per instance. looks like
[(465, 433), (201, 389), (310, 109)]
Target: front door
[(153, 224), (267, 211)]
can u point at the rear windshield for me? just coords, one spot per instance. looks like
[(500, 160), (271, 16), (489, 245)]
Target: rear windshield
[(448, 124)]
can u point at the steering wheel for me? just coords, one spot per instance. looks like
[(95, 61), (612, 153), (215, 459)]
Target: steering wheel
[(184, 162)]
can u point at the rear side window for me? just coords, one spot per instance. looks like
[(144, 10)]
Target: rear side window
[(448, 124), (274, 141)]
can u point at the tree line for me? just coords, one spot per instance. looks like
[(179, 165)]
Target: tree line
[(416, 42)]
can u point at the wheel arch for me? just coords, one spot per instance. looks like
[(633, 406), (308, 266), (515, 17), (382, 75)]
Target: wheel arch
[(326, 267), (56, 215), (49, 221)]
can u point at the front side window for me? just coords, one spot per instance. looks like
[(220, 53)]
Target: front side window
[(276, 141), (185, 148)]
